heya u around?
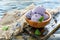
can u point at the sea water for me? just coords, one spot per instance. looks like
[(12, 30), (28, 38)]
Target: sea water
[(7, 5)]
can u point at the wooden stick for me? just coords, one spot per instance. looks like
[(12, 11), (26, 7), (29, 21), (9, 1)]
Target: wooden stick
[(52, 32)]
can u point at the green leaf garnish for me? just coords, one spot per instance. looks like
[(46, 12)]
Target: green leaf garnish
[(41, 19), (5, 28), (37, 32)]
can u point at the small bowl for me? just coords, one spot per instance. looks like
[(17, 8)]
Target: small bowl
[(39, 24)]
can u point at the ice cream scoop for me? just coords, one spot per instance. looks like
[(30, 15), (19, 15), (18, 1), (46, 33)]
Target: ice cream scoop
[(29, 14), (35, 17), (45, 16), (39, 10)]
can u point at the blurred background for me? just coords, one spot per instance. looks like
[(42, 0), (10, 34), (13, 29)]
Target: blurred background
[(9, 5), (6, 5)]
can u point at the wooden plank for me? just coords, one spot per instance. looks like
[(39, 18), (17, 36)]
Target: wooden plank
[(52, 32)]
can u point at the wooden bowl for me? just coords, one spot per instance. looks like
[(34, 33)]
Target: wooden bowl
[(39, 24)]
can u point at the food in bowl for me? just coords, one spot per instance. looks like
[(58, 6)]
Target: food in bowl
[(37, 13), (38, 17)]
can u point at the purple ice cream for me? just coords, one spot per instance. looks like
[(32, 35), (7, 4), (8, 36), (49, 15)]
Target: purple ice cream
[(37, 13), (45, 16), (39, 10), (35, 17), (29, 14)]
